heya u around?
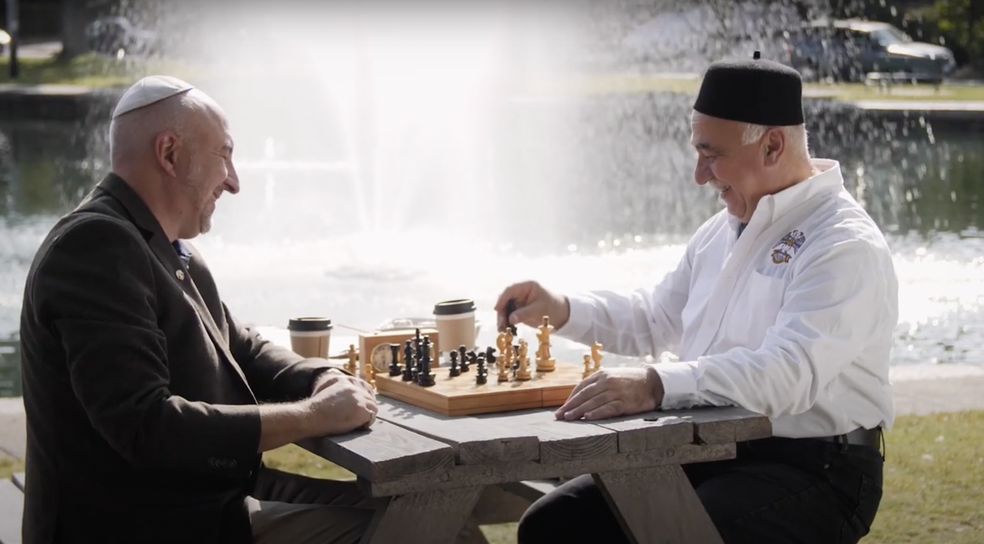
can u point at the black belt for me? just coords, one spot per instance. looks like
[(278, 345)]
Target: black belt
[(858, 437)]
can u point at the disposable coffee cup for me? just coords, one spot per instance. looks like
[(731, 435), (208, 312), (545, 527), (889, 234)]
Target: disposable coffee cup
[(310, 336), (455, 323)]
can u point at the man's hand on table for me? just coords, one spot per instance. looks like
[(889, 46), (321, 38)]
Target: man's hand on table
[(341, 403), (612, 392)]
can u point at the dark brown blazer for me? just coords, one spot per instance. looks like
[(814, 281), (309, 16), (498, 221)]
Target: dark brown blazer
[(140, 387)]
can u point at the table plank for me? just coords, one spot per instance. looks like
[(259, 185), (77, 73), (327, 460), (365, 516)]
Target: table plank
[(385, 452), (473, 475), (720, 425), (560, 441), (650, 431), (473, 441)]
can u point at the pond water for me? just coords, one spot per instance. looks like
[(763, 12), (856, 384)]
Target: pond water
[(582, 193)]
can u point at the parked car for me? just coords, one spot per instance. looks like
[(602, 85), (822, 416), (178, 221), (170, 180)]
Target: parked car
[(112, 35), (850, 50)]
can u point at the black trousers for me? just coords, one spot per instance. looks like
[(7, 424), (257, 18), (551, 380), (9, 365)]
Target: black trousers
[(776, 490)]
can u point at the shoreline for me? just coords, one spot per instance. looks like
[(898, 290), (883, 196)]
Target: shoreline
[(52, 102)]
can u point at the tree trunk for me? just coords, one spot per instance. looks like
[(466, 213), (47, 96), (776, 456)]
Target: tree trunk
[(74, 18)]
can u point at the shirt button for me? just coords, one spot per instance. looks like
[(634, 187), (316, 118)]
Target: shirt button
[(180, 275)]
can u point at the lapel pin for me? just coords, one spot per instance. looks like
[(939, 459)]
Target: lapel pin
[(180, 275)]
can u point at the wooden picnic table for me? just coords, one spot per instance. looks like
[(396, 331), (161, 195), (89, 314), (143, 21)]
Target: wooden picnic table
[(437, 468)]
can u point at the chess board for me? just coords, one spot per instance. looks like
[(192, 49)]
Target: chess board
[(461, 396)]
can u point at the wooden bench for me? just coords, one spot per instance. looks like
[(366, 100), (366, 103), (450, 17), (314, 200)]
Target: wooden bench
[(11, 509)]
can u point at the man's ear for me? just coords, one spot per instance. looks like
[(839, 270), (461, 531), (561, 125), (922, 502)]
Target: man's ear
[(775, 145), (166, 147)]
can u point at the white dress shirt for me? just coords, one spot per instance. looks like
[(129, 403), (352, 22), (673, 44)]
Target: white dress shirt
[(794, 319)]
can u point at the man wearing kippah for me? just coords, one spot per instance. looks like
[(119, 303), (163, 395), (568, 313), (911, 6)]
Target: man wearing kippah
[(784, 304), (148, 403)]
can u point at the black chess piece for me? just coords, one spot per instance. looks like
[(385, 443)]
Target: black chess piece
[(395, 369), (425, 378), (481, 373), (408, 362), (418, 344), (490, 356), (454, 371), (462, 358), (515, 365), (510, 308)]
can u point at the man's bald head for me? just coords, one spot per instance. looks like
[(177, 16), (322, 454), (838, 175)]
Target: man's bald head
[(132, 134), (175, 151)]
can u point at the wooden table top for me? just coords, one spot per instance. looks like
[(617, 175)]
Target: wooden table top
[(411, 449)]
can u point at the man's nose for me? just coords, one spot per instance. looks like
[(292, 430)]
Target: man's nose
[(232, 182), (702, 174)]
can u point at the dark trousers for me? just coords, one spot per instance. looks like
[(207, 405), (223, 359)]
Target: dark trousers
[(776, 490)]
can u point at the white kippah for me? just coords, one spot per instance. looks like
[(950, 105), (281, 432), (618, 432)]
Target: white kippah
[(149, 90)]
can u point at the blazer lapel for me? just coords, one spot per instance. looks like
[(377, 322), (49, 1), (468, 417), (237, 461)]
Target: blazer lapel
[(165, 253)]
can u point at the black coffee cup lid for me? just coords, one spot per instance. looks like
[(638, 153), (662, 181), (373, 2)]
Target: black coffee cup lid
[(454, 307), (309, 324)]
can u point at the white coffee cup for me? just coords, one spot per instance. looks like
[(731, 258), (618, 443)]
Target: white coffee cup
[(455, 323)]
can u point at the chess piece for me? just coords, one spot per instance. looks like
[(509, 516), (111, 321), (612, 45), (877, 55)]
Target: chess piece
[(489, 357), (454, 371), (481, 373), (504, 367), (417, 344), (523, 372), (353, 356), (408, 362), (596, 356), (587, 366), (462, 359), (544, 362), (502, 344), (395, 369), (515, 357), (369, 373), (425, 378)]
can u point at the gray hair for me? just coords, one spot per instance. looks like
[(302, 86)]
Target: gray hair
[(797, 140)]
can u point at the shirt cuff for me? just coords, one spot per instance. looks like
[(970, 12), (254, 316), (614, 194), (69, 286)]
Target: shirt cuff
[(679, 384), (580, 320)]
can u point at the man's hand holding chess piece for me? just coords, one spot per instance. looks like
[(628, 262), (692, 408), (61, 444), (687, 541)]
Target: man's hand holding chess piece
[(607, 393)]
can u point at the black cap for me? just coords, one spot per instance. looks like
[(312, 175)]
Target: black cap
[(761, 92)]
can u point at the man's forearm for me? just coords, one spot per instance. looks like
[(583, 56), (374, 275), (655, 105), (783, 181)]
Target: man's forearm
[(282, 424)]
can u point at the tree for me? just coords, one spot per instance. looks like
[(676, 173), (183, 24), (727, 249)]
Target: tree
[(75, 16)]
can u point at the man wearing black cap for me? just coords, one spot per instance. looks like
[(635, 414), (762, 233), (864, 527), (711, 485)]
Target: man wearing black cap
[(784, 304)]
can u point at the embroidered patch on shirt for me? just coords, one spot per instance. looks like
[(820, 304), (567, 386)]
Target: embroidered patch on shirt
[(787, 247)]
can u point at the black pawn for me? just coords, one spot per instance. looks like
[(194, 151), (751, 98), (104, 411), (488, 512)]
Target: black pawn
[(395, 361), (408, 362), (454, 371), (425, 378), (481, 374), (515, 365)]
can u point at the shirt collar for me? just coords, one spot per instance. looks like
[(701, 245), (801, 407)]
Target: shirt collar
[(771, 207), (183, 252)]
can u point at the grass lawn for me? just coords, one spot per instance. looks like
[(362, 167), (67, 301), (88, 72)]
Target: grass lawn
[(95, 71), (934, 481), (640, 83), (87, 70)]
